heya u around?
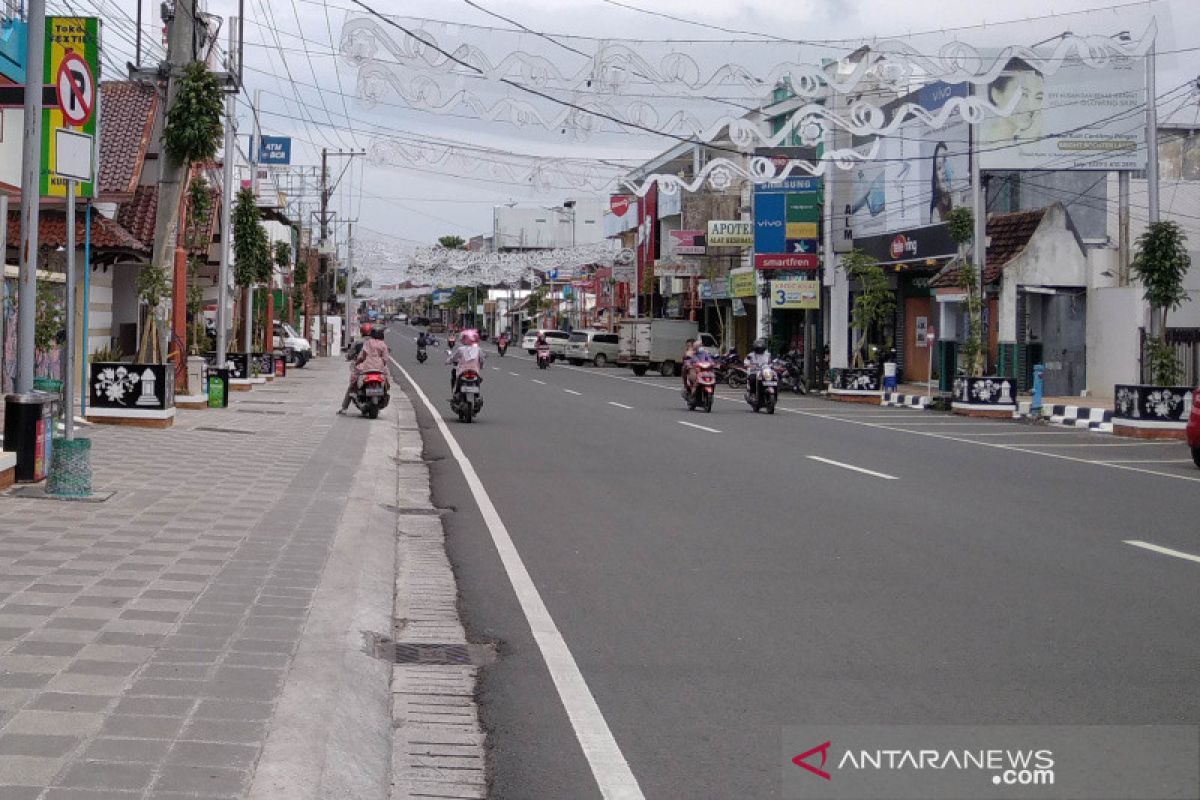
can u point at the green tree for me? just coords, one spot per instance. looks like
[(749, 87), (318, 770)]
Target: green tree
[(960, 224), (251, 248), (193, 130), (451, 242), (1160, 264), (875, 302)]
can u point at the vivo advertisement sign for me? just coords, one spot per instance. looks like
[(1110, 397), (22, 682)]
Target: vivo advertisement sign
[(786, 224), (275, 150)]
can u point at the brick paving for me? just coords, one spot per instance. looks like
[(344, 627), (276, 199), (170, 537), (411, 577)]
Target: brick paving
[(144, 640)]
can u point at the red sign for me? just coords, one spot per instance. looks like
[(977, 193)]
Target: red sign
[(785, 261), (76, 90), (619, 203)]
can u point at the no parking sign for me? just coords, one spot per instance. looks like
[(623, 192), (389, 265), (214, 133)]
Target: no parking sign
[(72, 66)]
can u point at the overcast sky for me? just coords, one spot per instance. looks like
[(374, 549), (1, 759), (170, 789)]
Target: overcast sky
[(418, 205)]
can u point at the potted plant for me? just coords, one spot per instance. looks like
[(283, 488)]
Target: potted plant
[(874, 304), (975, 393), (1158, 409)]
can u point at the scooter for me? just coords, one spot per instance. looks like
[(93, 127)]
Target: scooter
[(502, 345), (765, 390), (421, 355), (372, 395), (704, 385), (468, 396), (543, 357)]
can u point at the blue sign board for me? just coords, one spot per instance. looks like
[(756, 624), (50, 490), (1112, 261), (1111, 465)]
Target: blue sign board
[(442, 296), (770, 226), (786, 216), (789, 186), (275, 150)]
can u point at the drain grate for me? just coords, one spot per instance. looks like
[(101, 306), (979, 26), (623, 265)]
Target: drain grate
[(222, 430), (430, 654)]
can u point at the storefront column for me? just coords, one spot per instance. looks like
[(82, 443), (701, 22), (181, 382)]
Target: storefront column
[(839, 320), (764, 311)]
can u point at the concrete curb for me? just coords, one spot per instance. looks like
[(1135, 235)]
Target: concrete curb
[(331, 734)]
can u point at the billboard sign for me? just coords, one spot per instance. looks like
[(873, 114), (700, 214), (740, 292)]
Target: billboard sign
[(743, 283), (785, 261), (442, 296), (1079, 118), (684, 243), (730, 233), (275, 150), (795, 294), (787, 216), (72, 66)]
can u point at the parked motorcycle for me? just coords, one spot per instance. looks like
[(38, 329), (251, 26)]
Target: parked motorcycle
[(791, 373), (372, 395), (703, 386), (737, 376), (762, 391), (543, 357), (468, 395)]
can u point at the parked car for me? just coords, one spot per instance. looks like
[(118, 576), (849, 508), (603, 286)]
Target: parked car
[(557, 339), (598, 347), (419, 321), (286, 336), (1193, 427)]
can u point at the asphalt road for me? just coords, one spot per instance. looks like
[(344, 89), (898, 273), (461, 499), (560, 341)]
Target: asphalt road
[(716, 585)]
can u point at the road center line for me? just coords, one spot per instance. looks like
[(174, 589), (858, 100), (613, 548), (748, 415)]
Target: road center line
[(515, 374), (613, 775), (571, 391), (1166, 551), (870, 472), (619, 405), (698, 427), (535, 380)]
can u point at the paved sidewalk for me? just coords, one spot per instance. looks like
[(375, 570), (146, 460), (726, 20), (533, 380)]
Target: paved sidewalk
[(146, 642)]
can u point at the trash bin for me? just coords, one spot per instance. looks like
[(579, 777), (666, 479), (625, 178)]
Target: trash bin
[(280, 364), (28, 428), (218, 387)]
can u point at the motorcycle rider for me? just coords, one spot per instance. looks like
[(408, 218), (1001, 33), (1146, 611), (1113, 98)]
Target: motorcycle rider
[(756, 359), (371, 355), (542, 343), (695, 354), (467, 355)]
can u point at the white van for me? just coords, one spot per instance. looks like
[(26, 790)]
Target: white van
[(286, 336)]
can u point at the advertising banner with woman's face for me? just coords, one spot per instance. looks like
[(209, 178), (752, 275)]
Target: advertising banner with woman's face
[(945, 161), (1077, 118)]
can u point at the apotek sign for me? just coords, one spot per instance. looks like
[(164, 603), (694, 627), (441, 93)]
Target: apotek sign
[(733, 233)]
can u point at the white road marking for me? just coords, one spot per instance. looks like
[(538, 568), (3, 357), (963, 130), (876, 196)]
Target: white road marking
[(496, 368), (515, 374), (1142, 461), (1166, 551), (535, 380), (870, 472), (698, 427), (619, 405), (613, 775), (571, 391), (1102, 444)]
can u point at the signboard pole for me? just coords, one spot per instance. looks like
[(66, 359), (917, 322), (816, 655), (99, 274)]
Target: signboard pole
[(929, 340), (1151, 136), (30, 184), (227, 195), (69, 369), (979, 251)]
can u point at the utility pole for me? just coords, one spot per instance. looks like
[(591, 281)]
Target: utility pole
[(349, 281), (227, 195), (30, 189), (1151, 135), (181, 50), (327, 190)]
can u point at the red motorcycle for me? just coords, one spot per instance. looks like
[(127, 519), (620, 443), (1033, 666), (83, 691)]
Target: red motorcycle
[(372, 395), (703, 386), (543, 356), (502, 344)]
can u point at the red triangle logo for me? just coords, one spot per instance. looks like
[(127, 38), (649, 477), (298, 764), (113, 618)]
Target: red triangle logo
[(802, 760)]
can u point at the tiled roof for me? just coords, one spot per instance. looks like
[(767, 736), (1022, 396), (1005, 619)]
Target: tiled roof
[(137, 215), (126, 126), (52, 231), (1008, 234)]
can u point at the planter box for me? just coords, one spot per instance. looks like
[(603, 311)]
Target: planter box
[(240, 367), (131, 394), (8, 469), (852, 385), (1151, 412), (263, 365), (989, 396)]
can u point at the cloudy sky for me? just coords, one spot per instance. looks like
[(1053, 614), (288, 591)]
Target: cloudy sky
[(311, 90)]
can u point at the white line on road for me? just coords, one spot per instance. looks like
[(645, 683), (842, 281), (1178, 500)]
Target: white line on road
[(515, 374), (619, 405), (870, 472), (496, 368), (613, 775), (698, 427), (535, 380), (571, 391), (1142, 461), (1166, 551)]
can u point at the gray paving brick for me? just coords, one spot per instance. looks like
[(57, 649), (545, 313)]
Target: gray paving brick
[(8, 633), (65, 701), (47, 648), (77, 623), (137, 751), (23, 680), (20, 792), (200, 780), (214, 754), (108, 775), (111, 668), (155, 706), (88, 794), (230, 709), (225, 730), (41, 745), (137, 727)]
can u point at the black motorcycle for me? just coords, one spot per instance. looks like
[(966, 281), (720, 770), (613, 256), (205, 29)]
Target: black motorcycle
[(791, 373), (762, 392), (421, 355), (468, 395)]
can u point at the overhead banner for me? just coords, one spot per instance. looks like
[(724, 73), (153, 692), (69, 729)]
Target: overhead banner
[(732, 233), (1079, 118), (743, 283), (72, 66), (795, 294)]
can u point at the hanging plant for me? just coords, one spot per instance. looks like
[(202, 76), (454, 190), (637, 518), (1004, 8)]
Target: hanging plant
[(960, 224), (193, 130), (251, 249), (875, 301)]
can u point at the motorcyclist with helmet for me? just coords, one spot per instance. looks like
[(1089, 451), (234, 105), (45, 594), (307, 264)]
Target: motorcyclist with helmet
[(467, 355), (368, 354), (758, 357)]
